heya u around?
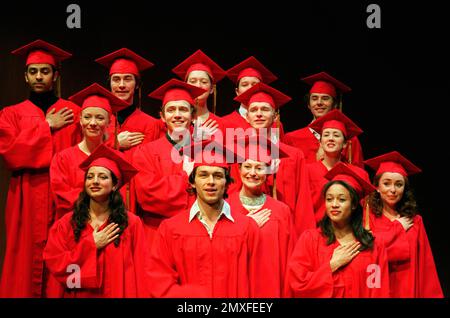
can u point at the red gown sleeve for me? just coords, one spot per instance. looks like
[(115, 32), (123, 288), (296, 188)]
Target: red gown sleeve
[(24, 146), (59, 254), (65, 191), (305, 276), (141, 260), (396, 243), (429, 285), (158, 193), (382, 261), (164, 277), (304, 217)]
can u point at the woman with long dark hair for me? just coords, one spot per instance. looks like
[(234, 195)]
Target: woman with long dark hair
[(340, 258), (395, 221), (99, 249)]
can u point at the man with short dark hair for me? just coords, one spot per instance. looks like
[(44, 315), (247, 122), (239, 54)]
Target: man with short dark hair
[(31, 132)]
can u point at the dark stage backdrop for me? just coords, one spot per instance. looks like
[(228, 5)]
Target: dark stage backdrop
[(398, 73)]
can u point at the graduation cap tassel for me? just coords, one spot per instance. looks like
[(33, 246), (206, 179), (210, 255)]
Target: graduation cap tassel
[(215, 98), (127, 199), (350, 152), (366, 217)]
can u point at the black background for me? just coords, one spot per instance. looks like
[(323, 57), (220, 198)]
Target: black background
[(398, 74)]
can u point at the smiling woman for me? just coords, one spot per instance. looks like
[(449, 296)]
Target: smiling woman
[(84, 236), (334, 260)]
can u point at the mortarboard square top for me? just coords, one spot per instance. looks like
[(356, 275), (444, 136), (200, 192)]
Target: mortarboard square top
[(352, 177), (263, 93), (41, 52), (97, 96), (258, 148), (113, 160), (176, 90), (199, 61), (323, 83), (250, 67), (337, 120), (124, 61), (392, 162)]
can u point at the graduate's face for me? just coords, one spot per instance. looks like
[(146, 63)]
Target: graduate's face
[(94, 121), (40, 77), (332, 140), (391, 188), (245, 83), (201, 79), (210, 184), (177, 115), (123, 86), (260, 115), (253, 174), (320, 104), (338, 204), (99, 183)]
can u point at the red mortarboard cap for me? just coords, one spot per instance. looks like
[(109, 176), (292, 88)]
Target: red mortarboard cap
[(336, 119), (174, 90), (41, 52), (211, 153), (97, 96), (258, 148), (392, 162), (352, 177), (124, 61), (263, 93), (253, 68), (113, 160), (323, 83), (199, 61)]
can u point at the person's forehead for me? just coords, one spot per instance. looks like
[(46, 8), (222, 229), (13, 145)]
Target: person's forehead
[(98, 169), (177, 104), (122, 75), (321, 95), (249, 79), (198, 74), (94, 111), (210, 169), (260, 104), (392, 176), (39, 66)]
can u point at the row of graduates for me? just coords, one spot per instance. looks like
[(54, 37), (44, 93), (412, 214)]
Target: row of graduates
[(160, 186)]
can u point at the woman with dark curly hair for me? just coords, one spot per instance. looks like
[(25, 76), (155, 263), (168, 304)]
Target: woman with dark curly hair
[(340, 258), (79, 254), (395, 221)]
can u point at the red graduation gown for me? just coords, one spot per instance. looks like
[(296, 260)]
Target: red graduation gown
[(276, 242), (186, 262), (411, 264), (317, 181), (305, 140), (161, 184), (309, 272), (292, 187), (27, 146), (235, 120), (110, 272), (141, 122), (66, 179)]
